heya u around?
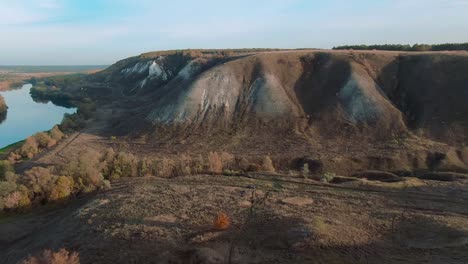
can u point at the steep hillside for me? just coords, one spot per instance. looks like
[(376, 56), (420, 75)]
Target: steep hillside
[(402, 109), (374, 92)]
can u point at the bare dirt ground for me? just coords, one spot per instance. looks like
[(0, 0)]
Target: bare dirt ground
[(274, 219)]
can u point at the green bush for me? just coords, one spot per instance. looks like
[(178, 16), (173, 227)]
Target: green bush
[(72, 123)]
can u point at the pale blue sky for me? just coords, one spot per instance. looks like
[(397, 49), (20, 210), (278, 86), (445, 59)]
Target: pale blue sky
[(38, 32)]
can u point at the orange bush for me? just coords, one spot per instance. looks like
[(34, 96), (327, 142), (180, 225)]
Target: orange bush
[(49, 257), (267, 164), (12, 200), (56, 134), (215, 163), (30, 148), (222, 222)]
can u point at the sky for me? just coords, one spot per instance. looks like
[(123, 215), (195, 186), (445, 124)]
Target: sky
[(85, 32)]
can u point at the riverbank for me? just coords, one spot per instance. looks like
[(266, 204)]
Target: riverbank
[(6, 150), (3, 109)]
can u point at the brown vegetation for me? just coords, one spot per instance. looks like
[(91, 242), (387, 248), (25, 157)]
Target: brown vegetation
[(222, 222), (36, 143), (3, 108), (91, 170), (267, 164), (215, 163), (49, 257)]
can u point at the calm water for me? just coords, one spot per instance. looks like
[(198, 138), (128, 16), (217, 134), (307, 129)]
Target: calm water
[(26, 117)]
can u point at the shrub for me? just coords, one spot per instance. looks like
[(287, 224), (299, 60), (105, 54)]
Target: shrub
[(267, 164), (182, 167), (49, 257), (62, 188), (3, 108), (56, 134), (198, 165), (227, 160), (109, 155), (165, 167), (7, 188), (40, 182), (16, 199), (327, 177), (107, 162), (243, 164), (14, 157), (44, 140), (39, 179), (24, 201), (144, 167), (86, 170), (222, 222), (12, 200), (215, 163), (124, 165), (5, 167), (30, 148), (72, 122), (11, 177)]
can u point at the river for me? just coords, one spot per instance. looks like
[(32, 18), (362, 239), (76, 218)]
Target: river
[(26, 117)]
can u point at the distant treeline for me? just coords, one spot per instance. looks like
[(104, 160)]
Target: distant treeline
[(399, 47), (52, 68)]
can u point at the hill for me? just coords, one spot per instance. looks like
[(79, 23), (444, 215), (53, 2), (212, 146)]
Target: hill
[(239, 156), (379, 110)]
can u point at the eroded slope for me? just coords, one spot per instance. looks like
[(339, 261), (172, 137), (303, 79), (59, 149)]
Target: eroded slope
[(387, 110), (378, 92)]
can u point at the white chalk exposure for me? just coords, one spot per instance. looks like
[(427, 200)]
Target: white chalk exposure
[(357, 102), (143, 83), (214, 92), (138, 68), (155, 70), (268, 97), (217, 92), (188, 71)]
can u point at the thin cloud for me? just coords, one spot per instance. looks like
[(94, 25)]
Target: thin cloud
[(103, 31)]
